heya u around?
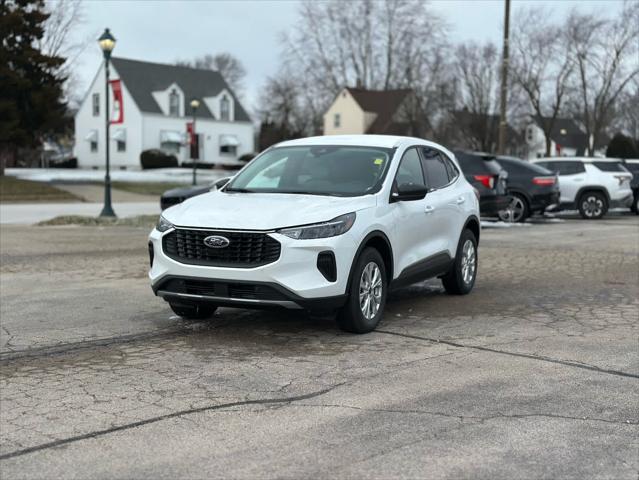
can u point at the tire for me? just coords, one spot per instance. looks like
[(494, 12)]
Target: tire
[(593, 205), (635, 205), (461, 278), (193, 311), (518, 210), (351, 318)]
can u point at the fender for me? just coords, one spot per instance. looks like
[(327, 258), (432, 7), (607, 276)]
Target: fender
[(592, 188), (389, 266), (472, 218)]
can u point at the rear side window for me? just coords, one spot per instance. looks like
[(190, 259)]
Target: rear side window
[(472, 164), (522, 168), (410, 169), (566, 168), (435, 168), (610, 166)]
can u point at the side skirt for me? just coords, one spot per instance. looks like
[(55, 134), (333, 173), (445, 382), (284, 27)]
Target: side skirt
[(433, 266)]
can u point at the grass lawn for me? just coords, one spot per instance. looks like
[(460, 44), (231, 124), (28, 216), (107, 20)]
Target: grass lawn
[(145, 188), (16, 190)]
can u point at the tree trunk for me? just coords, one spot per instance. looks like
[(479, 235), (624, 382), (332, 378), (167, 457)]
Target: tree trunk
[(548, 143)]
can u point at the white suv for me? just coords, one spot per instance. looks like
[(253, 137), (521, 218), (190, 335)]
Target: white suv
[(592, 185), (327, 223)]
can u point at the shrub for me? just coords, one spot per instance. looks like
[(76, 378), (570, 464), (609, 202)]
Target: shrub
[(157, 159), (70, 162), (622, 146)]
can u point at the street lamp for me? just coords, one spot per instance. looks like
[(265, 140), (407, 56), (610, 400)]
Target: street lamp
[(195, 103), (107, 43)]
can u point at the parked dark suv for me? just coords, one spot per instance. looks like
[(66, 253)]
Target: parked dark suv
[(485, 174), (532, 187)]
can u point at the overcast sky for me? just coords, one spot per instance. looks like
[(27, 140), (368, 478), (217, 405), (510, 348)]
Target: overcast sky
[(163, 31)]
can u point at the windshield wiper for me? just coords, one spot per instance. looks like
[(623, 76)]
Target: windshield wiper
[(239, 190)]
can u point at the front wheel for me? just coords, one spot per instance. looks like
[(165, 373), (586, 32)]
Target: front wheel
[(461, 278), (193, 311), (593, 205), (366, 294)]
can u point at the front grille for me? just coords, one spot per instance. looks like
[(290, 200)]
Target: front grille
[(245, 249)]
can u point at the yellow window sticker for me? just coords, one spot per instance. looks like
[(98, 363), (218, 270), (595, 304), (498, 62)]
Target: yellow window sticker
[(379, 161)]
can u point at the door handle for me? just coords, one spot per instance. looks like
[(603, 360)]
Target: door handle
[(460, 200), (429, 209)]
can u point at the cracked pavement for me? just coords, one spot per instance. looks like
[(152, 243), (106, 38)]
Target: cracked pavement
[(533, 375)]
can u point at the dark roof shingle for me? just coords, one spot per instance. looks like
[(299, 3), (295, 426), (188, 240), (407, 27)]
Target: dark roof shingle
[(143, 78), (382, 102)]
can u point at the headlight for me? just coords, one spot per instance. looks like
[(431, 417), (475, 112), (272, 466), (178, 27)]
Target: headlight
[(332, 228), (163, 225)]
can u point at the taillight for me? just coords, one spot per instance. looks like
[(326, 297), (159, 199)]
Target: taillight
[(544, 181), (622, 178), (487, 181)]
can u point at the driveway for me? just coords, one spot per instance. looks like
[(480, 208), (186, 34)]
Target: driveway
[(535, 374)]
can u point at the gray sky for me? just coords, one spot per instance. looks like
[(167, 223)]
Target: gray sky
[(163, 31)]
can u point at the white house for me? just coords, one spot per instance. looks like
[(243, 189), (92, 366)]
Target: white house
[(567, 139), (156, 107)]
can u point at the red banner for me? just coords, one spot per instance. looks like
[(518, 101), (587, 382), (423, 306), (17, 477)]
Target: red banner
[(117, 114), (189, 132)]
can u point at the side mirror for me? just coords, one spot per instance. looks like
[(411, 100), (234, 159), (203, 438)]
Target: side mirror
[(221, 182), (408, 191)]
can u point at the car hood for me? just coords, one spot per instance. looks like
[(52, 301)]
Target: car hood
[(261, 211), (186, 191)]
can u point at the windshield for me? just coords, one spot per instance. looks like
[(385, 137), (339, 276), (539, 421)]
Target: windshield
[(315, 170)]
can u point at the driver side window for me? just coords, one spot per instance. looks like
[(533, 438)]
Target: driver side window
[(410, 169)]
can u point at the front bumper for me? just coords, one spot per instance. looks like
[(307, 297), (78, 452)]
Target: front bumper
[(294, 275)]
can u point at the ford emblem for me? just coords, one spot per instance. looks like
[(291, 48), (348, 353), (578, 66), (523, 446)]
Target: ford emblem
[(216, 241)]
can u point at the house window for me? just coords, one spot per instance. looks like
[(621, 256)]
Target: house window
[(225, 108), (94, 145), (96, 104), (228, 145), (121, 145), (174, 104), (337, 120)]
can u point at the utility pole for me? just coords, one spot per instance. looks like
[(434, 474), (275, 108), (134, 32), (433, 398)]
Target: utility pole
[(501, 146)]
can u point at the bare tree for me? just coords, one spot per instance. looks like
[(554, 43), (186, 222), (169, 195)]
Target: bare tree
[(229, 66), (542, 65), (477, 69), (605, 53), (379, 45), (60, 40)]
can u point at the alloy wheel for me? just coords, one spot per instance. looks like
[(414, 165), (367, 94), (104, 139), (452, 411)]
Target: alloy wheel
[(514, 212), (370, 290), (468, 262), (592, 206)]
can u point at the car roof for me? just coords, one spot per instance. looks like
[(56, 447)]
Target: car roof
[(384, 141)]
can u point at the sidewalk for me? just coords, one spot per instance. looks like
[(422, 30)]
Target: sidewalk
[(30, 213)]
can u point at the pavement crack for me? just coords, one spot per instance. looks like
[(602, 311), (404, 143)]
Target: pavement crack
[(529, 356), (180, 413), (471, 417)]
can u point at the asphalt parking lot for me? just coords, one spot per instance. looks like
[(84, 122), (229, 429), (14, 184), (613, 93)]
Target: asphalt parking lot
[(533, 375)]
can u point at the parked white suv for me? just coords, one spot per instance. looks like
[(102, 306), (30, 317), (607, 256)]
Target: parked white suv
[(592, 185), (327, 223)]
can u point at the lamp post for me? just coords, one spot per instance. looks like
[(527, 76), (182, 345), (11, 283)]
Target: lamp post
[(107, 43), (195, 103)]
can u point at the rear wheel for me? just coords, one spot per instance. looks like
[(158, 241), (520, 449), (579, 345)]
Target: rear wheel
[(193, 311), (593, 205), (461, 278), (517, 211), (366, 294)]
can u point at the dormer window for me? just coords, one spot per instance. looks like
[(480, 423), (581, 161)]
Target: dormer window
[(225, 108), (174, 103)]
